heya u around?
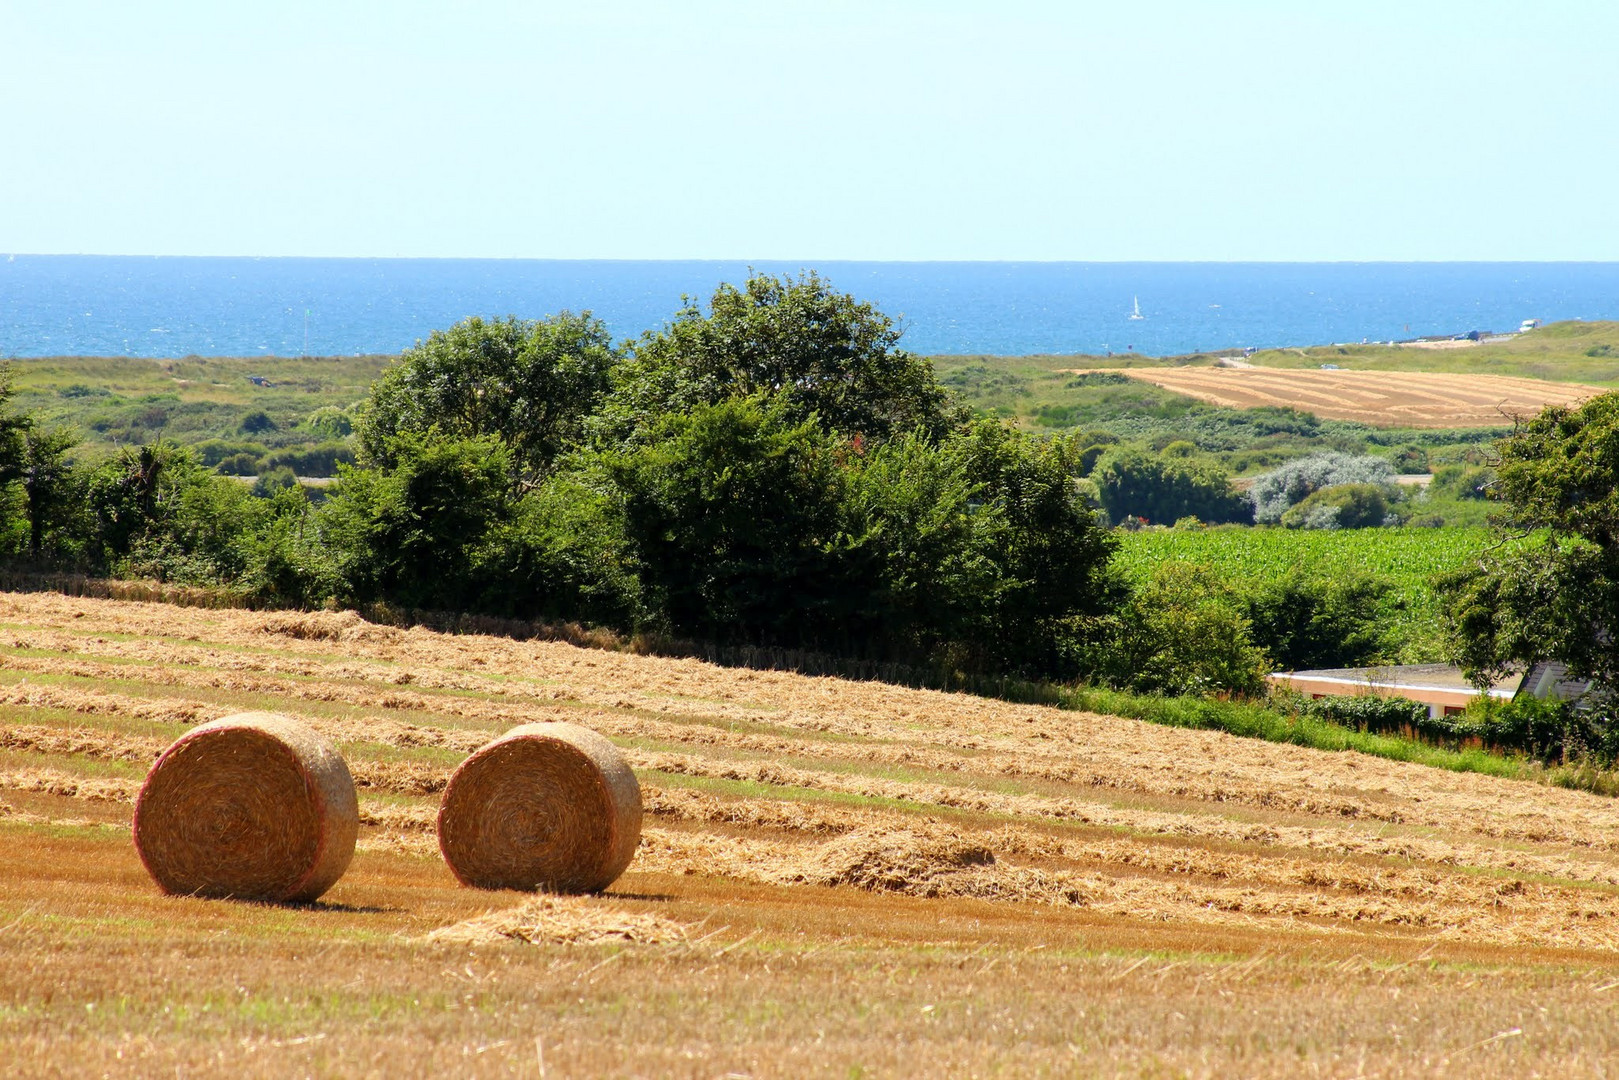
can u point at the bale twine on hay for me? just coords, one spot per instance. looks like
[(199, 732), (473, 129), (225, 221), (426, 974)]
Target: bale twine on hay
[(545, 806), (254, 806)]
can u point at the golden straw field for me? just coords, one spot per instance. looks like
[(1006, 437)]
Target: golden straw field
[(1419, 399), (835, 879)]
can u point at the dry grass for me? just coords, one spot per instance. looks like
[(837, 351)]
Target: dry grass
[(1386, 398), (835, 879)]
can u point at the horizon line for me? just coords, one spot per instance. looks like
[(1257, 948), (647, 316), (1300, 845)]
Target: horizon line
[(805, 262)]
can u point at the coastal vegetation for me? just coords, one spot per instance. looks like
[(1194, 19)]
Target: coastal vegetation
[(772, 472)]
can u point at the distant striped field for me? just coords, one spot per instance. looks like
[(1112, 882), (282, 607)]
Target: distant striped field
[(1385, 398)]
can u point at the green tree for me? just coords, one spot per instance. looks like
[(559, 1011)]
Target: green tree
[(823, 353), (1159, 490), (13, 429), (1183, 632), (922, 549), (1308, 620), (733, 509), (529, 384), (52, 487), (1341, 506), (417, 533), (1051, 555), (159, 513), (565, 553), (1550, 590)]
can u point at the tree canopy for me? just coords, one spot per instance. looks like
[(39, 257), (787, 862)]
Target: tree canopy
[(822, 353), (1550, 590), (528, 383)]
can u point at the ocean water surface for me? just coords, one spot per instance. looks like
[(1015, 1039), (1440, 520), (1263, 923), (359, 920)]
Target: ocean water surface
[(53, 305)]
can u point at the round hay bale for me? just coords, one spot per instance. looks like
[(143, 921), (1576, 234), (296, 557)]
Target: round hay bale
[(545, 806), (254, 806)]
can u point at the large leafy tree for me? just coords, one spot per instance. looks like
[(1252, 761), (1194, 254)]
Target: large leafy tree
[(52, 488), (733, 508), (822, 353), (14, 429), (416, 533), (527, 383), (1550, 589)]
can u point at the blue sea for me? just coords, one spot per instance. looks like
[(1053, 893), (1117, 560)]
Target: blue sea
[(53, 305)]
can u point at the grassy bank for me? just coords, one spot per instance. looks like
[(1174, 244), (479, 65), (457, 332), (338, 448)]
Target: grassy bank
[(1261, 721)]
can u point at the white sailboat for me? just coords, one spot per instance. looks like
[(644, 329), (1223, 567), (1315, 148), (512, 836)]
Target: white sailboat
[(1136, 314)]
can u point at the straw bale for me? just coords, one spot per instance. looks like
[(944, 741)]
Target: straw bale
[(562, 920), (545, 806), (252, 806)]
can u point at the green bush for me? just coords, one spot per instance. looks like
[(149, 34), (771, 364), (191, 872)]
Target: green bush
[(1461, 482), (417, 533), (321, 460), (1370, 712), (1306, 619), (1132, 484), (1184, 631), (1341, 506), (238, 465), (530, 384), (1410, 459), (273, 480), (257, 423), (211, 452), (329, 422)]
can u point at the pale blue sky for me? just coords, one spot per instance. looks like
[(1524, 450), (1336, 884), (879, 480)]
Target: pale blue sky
[(883, 129)]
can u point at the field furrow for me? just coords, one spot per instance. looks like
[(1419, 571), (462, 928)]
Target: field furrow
[(786, 815)]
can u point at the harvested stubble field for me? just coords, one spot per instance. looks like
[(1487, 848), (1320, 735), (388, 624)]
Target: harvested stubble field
[(1385, 398), (836, 878)]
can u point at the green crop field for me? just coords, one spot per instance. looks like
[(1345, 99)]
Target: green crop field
[(1583, 352), (1410, 558)]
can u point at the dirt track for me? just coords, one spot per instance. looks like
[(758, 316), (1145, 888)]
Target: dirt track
[(1384, 398)]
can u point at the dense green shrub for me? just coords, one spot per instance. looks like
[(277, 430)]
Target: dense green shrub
[(733, 509), (416, 533), (238, 465), (1341, 506), (1410, 459), (211, 452), (1132, 483), (1370, 712), (1274, 493), (530, 385), (823, 355), (1184, 631), (257, 423), (1462, 482), (1325, 618), (319, 460), (329, 422)]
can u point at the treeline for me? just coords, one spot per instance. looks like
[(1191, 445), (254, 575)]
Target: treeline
[(1324, 489), (771, 471)]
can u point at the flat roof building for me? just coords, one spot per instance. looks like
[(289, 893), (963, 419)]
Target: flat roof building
[(1441, 687)]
